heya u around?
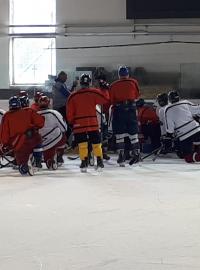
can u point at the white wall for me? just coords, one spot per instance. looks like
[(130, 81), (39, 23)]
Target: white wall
[(93, 12), (166, 57), (153, 57)]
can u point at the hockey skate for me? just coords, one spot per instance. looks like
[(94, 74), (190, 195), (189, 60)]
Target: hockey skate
[(100, 164), (30, 167), (60, 160), (26, 169), (121, 159), (23, 169), (136, 157), (52, 163), (84, 165), (105, 156)]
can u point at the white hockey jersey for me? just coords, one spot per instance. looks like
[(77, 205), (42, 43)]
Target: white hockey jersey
[(53, 129), (179, 119), (1, 114), (161, 116), (100, 116)]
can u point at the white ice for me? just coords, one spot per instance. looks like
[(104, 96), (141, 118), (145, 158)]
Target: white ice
[(145, 217)]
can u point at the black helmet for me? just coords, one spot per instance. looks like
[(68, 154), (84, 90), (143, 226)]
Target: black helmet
[(24, 100), (22, 93), (173, 96), (162, 99), (14, 103), (85, 79), (140, 103), (44, 102)]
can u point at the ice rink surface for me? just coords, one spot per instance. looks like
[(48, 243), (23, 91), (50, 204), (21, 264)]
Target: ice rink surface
[(144, 217)]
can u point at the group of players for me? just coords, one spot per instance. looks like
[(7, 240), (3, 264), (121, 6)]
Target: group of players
[(33, 133), (180, 128), (37, 133)]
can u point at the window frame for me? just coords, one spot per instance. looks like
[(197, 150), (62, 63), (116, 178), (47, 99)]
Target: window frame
[(12, 60)]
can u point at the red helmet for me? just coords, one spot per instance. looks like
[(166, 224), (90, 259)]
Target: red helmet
[(22, 93), (43, 102), (37, 96)]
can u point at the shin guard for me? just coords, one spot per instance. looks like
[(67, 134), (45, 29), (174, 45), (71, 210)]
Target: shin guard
[(83, 150), (97, 150)]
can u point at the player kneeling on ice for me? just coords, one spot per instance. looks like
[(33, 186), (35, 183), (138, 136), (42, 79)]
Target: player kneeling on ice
[(37, 151), (19, 132), (81, 113), (181, 125), (36, 97), (53, 134)]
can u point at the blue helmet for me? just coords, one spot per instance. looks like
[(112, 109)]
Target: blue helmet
[(14, 103), (123, 71), (24, 100)]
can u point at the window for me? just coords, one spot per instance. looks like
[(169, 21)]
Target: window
[(32, 58)]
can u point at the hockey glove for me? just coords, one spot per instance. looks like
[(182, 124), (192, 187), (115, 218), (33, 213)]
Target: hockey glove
[(167, 143)]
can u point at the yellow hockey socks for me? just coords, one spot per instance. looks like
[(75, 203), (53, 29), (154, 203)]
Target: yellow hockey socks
[(97, 150), (83, 150)]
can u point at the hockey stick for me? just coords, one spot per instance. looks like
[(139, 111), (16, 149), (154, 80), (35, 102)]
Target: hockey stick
[(9, 162), (157, 154), (73, 158), (4, 165), (157, 150)]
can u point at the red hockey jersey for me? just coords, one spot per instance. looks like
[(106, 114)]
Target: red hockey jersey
[(15, 124), (81, 108), (124, 89), (146, 114), (35, 107)]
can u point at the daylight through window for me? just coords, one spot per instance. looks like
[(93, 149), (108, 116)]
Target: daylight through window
[(32, 58)]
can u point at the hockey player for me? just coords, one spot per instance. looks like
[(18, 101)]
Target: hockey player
[(36, 97), (23, 136), (37, 151), (149, 123), (81, 113), (181, 125), (24, 100), (23, 93), (103, 115), (123, 94), (53, 134), (162, 100)]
